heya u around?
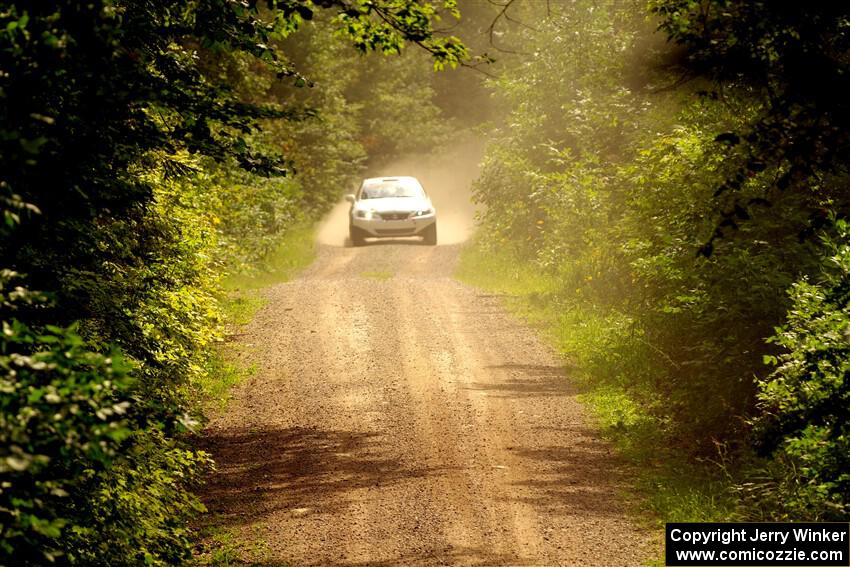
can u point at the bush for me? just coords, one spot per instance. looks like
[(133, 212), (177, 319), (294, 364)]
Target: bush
[(804, 424), (128, 180), (137, 512), (62, 420)]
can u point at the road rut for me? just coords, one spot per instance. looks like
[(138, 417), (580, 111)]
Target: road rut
[(398, 417)]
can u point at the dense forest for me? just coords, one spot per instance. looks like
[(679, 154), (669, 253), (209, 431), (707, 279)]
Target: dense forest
[(685, 194), (664, 186)]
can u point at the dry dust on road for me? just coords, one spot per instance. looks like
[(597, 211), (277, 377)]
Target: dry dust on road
[(399, 417)]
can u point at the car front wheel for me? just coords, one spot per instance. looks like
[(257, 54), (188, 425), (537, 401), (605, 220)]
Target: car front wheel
[(357, 236), (429, 235)]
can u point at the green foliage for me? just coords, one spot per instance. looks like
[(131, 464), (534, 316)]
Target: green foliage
[(790, 62), (244, 216), (63, 419), (499, 269), (610, 172), (139, 511), (365, 107), (224, 370), (223, 548), (294, 251), (804, 421), (131, 140), (386, 26)]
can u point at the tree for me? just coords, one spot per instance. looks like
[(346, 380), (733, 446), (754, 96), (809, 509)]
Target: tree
[(792, 58), (102, 104)]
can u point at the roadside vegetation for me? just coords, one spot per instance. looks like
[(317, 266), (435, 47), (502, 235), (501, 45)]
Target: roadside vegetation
[(148, 156), (673, 212)]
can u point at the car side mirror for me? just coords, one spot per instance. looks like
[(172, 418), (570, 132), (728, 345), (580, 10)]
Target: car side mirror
[(349, 198)]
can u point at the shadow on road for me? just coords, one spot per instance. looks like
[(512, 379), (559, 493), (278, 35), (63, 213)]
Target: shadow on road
[(526, 381), (478, 556), (580, 480), (300, 470)]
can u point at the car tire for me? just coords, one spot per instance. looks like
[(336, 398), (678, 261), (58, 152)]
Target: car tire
[(357, 236), (429, 235)]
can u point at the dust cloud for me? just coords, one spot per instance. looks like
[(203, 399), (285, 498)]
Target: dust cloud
[(446, 176)]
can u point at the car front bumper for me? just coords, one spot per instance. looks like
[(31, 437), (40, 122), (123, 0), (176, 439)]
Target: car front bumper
[(380, 228)]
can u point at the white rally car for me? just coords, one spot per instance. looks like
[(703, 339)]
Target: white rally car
[(388, 207)]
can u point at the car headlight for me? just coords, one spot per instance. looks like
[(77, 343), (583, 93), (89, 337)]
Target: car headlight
[(423, 212), (363, 214)]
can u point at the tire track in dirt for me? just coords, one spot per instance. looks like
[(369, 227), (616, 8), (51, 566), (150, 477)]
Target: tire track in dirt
[(408, 420)]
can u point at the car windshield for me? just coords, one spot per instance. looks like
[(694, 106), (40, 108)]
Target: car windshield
[(390, 188)]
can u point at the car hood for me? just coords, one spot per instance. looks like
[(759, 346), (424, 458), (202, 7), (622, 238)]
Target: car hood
[(409, 204)]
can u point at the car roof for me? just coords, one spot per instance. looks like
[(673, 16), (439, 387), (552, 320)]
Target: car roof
[(389, 179)]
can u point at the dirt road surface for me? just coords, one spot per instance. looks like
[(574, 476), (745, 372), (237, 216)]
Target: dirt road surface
[(399, 417)]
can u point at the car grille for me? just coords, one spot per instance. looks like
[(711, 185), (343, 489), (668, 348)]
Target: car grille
[(394, 231), (394, 216)]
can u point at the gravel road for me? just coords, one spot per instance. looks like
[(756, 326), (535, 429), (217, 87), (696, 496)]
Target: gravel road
[(398, 417)]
